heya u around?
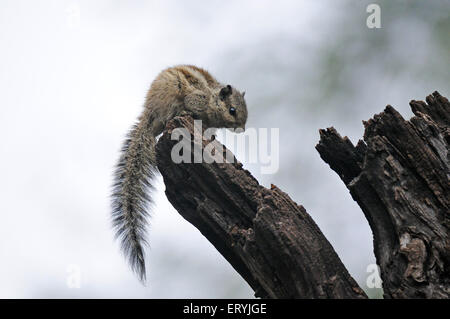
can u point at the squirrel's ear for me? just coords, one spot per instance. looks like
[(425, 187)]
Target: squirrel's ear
[(224, 92)]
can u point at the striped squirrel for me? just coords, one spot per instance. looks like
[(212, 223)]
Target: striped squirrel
[(179, 90)]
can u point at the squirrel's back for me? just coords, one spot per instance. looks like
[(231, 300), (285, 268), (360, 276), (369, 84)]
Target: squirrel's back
[(167, 93)]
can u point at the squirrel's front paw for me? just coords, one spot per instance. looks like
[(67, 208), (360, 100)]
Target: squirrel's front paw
[(186, 113)]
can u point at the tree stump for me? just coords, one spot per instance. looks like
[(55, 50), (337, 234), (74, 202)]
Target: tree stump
[(399, 176), (269, 239)]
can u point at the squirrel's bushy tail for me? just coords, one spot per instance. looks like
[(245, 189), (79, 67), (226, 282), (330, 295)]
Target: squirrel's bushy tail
[(130, 197)]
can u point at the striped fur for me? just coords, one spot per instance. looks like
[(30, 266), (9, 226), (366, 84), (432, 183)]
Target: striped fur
[(133, 176), (174, 91)]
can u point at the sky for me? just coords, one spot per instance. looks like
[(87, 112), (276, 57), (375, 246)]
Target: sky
[(73, 77)]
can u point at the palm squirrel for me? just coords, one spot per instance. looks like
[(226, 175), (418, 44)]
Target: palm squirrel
[(183, 89)]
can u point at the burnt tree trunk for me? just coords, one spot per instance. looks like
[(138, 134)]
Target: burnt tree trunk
[(269, 239), (399, 176)]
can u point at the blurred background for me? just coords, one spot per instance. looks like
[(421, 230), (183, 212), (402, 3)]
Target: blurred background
[(73, 77)]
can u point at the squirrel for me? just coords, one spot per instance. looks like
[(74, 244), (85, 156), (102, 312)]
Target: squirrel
[(178, 90)]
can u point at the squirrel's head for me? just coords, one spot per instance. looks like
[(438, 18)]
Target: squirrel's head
[(231, 109)]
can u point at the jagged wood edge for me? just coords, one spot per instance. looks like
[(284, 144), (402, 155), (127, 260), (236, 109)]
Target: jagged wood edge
[(269, 239)]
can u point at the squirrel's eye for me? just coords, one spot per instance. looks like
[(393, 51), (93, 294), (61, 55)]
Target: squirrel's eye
[(232, 111)]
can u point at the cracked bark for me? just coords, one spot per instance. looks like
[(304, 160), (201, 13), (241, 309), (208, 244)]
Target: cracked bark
[(269, 239), (399, 175)]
